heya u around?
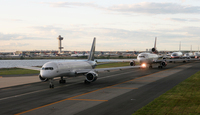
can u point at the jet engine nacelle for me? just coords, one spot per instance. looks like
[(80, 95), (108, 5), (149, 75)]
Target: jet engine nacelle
[(43, 79), (132, 63), (91, 76), (164, 63), (154, 50)]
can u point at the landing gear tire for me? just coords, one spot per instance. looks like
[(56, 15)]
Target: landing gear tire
[(62, 80), (51, 86), (86, 82), (160, 67)]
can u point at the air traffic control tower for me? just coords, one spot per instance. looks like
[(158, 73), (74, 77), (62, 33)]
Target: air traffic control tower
[(59, 43)]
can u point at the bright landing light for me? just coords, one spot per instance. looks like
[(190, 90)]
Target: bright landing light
[(143, 65)]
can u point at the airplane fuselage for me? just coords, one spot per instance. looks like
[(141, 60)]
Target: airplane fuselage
[(64, 68), (176, 55), (147, 58), (197, 54)]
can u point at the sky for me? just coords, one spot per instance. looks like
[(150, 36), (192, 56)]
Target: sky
[(118, 25)]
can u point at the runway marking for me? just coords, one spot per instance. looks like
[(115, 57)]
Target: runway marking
[(87, 100), (77, 95), (6, 89), (118, 74), (146, 80), (71, 98), (122, 88), (87, 93), (22, 94), (54, 88)]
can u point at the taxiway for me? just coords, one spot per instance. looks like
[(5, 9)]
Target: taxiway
[(117, 92)]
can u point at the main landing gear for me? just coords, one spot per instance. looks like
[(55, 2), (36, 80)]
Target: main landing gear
[(150, 66), (86, 82), (160, 67), (62, 80), (51, 82)]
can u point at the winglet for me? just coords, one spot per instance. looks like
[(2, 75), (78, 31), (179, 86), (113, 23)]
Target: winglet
[(92, 51)]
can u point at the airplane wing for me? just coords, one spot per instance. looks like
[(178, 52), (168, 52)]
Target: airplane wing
[(116, 60), (31, 68), (175, 60), (116, 68), (83, 71)]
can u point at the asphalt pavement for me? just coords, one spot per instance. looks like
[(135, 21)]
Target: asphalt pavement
[(114, 93)]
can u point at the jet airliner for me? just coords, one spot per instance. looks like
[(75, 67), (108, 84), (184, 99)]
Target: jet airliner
[(150, 58), (60, 69), (178, 54), (153, 58)]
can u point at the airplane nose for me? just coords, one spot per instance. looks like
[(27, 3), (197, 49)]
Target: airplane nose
[(49, 70), (43, 74), (141, 60), (46, 74)]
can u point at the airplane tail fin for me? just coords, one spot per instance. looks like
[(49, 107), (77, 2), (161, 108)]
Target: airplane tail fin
[(92, 51), (155, 42), (154, 50)]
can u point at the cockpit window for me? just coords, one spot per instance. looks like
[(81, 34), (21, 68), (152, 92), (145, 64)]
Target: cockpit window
[(47, 68), (141, 56), (174, 54)]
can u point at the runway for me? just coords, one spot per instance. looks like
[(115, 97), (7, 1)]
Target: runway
[(117, 92)]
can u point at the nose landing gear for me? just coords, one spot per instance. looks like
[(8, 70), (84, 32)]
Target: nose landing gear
[(51, 83)]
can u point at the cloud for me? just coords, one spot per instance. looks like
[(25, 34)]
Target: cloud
[(182, 0), (184, 20), (112, 34), (10, 36), (143, 7), (14, 44), (79, 38), (16, 20), (155, 8), (71, 4)]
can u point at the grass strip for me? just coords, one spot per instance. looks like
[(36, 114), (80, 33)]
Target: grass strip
[(183, 99), (16, 71)]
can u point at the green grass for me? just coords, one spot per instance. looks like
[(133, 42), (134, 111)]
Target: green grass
[(183, 99), (16, 71)]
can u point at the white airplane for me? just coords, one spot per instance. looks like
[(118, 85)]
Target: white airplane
[(197, 54), (178, 54), (152, 58), (51, 70), (189, 55)]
